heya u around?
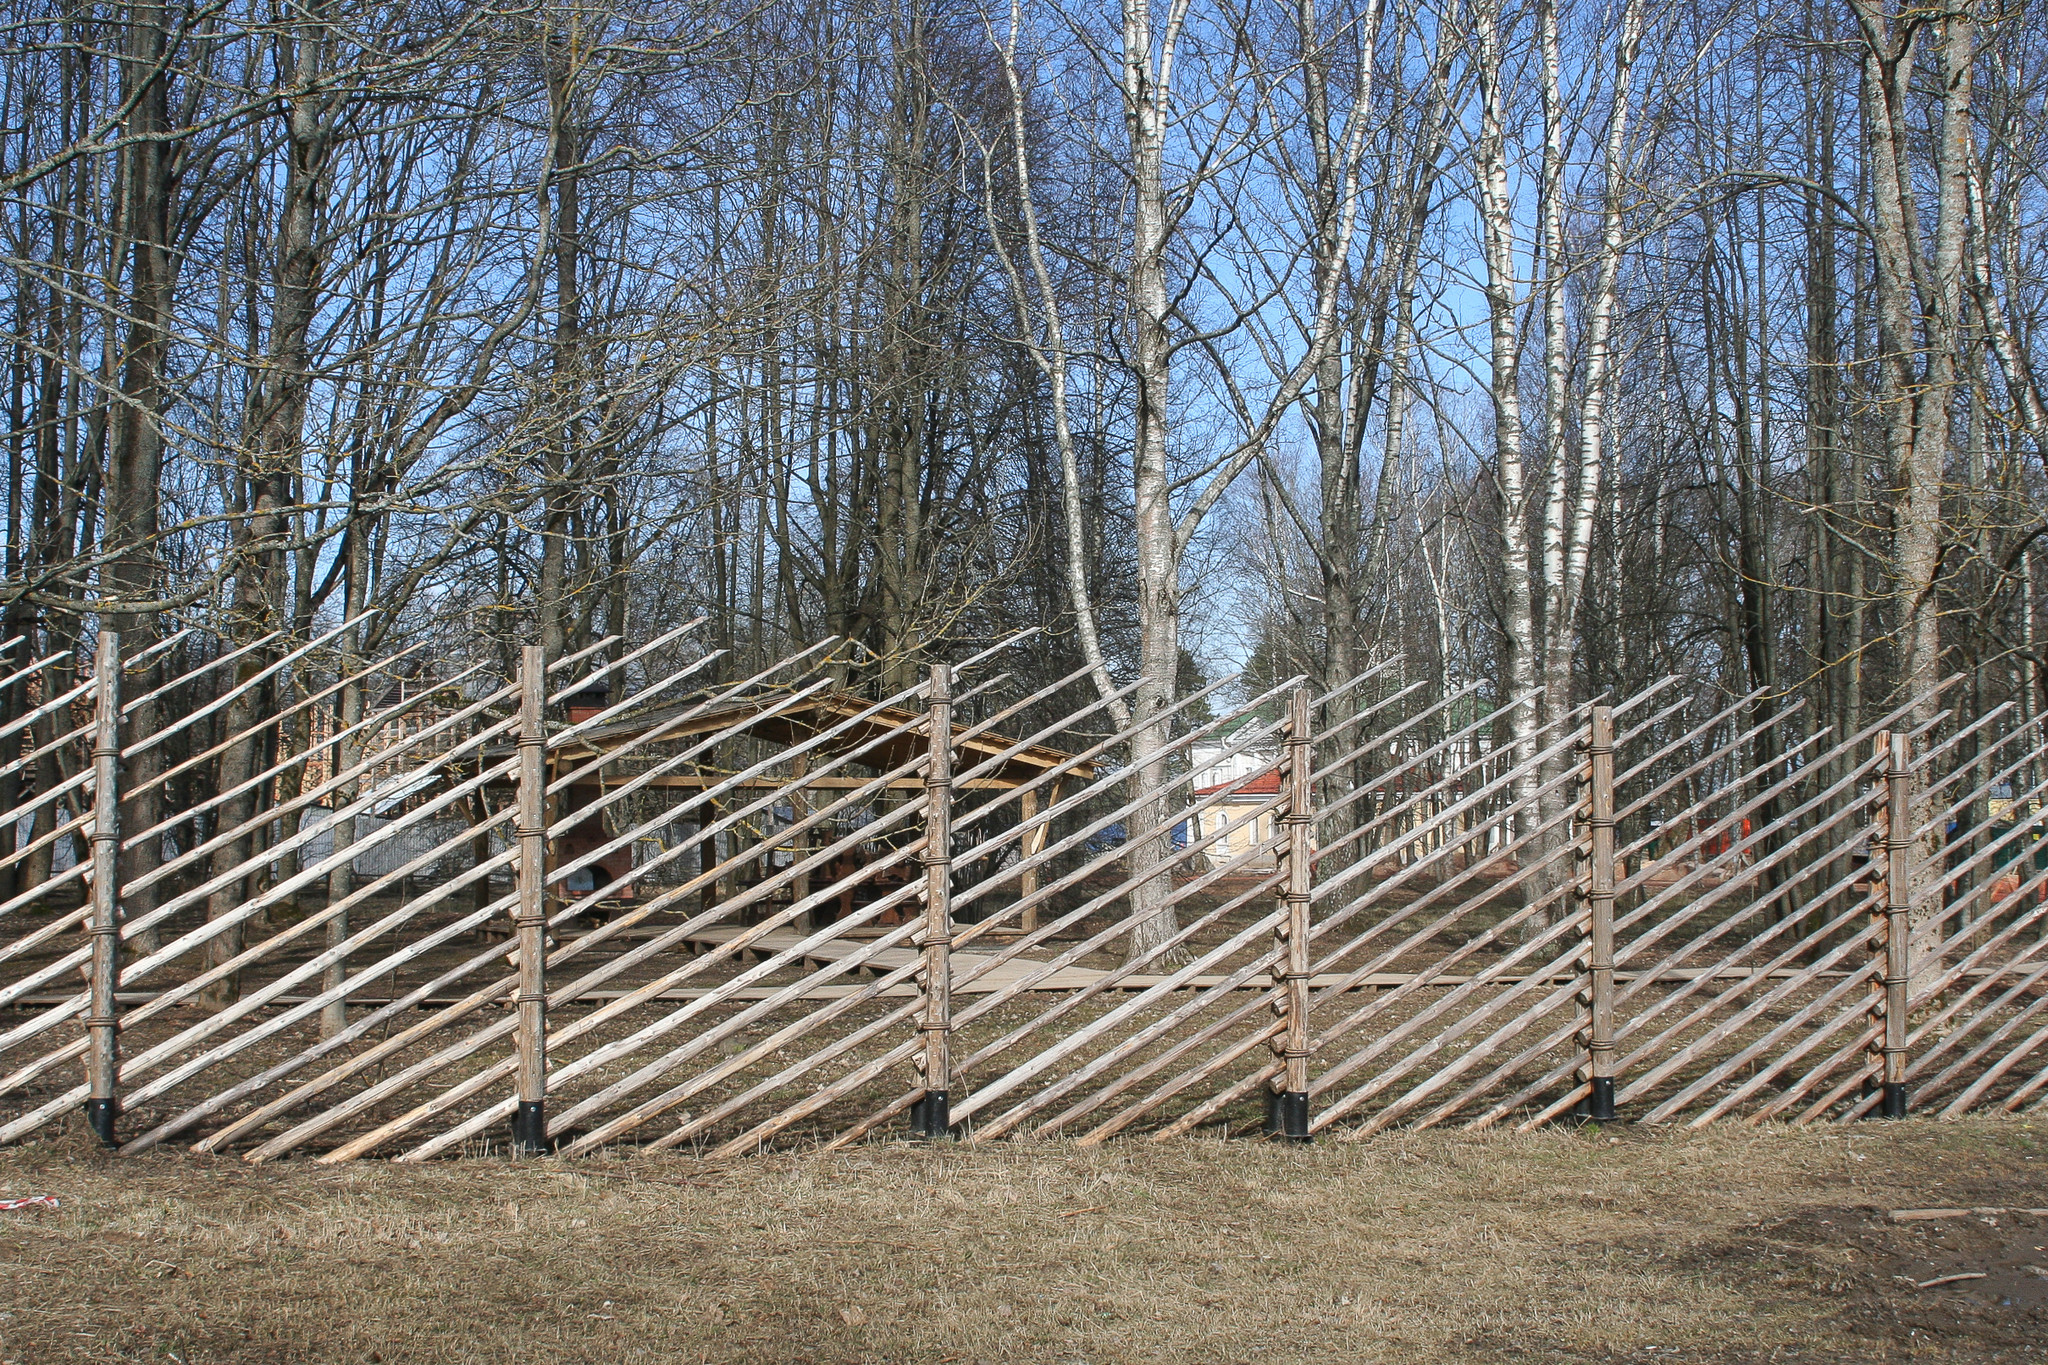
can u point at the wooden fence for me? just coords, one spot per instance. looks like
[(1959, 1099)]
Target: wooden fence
[(721, 913)]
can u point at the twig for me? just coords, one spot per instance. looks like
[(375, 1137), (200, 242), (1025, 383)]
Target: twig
[(1950, 1279)]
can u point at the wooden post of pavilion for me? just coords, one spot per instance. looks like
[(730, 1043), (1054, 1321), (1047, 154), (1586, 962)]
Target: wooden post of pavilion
[(1034, 844), (800, 847)]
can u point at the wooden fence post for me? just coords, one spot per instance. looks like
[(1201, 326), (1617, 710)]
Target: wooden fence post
[(529, 1120), (103, 1045), (930, 1118), (1897, 945), (1287, 1107), (1596, 997)]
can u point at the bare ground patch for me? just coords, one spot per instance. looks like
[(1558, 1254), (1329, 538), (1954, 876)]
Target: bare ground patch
[(1731, 1245)]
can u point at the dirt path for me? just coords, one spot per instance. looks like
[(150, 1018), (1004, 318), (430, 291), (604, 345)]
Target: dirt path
[(1732, 1245)]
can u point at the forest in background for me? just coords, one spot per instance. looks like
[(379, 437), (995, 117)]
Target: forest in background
[(1556, 345)]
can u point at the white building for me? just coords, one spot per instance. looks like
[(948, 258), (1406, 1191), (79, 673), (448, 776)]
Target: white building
[(1239, 817)]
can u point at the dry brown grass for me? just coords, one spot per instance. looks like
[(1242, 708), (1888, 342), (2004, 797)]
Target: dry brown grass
[(1732, 1245)]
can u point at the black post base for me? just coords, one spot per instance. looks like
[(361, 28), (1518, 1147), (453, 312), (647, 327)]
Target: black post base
[(99, 1117), (1893, 1105), (931, 1116), (530, 1128), (1599, 1106), (1287, 1115)]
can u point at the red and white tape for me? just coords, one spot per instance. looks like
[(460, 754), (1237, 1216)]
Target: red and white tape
[(48, 1201)]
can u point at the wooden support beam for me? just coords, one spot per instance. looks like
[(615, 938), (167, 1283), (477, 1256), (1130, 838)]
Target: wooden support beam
[(1597, 995), (529, 1120), (1287, 1107), (930, 1117), (103, 1058), (700, 781), (707, 855), (1897, 946)]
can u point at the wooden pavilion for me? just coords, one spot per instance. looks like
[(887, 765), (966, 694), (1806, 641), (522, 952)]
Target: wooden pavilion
[(809, 719), (882, 735)]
